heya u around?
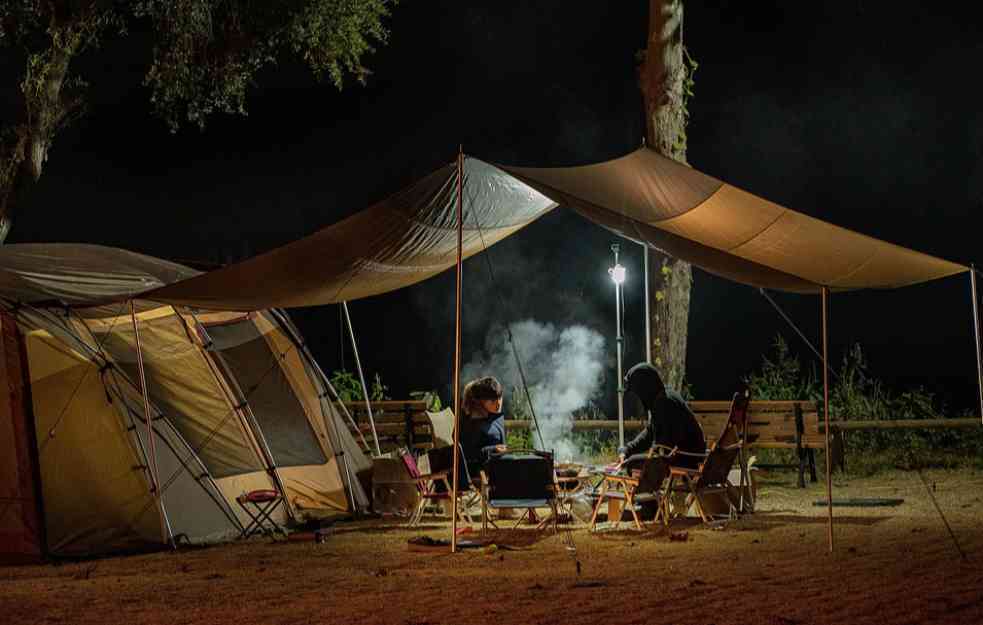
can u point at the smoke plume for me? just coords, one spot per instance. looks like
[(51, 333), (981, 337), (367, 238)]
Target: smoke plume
[(563, 368)]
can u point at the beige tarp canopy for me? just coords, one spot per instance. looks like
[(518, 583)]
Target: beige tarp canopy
[(400, 241), (729, 232), (642, 196)]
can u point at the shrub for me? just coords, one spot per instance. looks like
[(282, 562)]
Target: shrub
[(349, 387), (431, 397), (855, 394)]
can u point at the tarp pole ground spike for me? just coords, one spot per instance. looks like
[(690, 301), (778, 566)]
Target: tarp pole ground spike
[(154, 476), (829, 479), (361, 377), (457, 346), (976, 334)]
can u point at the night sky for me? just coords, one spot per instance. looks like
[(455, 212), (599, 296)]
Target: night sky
[(860, 113)]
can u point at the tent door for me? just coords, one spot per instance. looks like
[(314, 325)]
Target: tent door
[(21, 514)]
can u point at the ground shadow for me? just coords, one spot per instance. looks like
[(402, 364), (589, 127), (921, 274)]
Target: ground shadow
[(519, 537), (624, 531), (389, 524), (759, 522), (765, 522)]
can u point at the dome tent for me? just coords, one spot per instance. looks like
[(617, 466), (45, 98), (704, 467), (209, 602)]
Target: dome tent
[(236, 404)]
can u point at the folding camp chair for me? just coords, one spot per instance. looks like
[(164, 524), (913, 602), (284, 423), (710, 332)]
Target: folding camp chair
[(519, 479), (641, 482), (713, 474), (260, 505), (436, 485)]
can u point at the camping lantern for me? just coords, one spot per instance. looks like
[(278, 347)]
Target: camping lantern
[(617, 274)]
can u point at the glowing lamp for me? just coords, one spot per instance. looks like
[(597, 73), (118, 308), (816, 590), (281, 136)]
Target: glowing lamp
[(617, 274)]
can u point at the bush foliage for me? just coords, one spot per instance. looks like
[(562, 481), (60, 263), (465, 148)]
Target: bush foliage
[(349, 387), (855, 394)]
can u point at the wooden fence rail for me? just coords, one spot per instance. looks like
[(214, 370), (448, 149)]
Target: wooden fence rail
[(587, 425)]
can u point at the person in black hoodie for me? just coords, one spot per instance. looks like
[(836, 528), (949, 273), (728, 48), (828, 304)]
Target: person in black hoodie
[(482, 422), (671, 422)]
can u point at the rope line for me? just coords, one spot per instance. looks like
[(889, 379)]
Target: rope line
[(797, 330), (944, 520), (508, 330), (568, 540)]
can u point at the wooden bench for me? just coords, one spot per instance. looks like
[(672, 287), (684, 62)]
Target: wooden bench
[(774, 425), (399, 423)]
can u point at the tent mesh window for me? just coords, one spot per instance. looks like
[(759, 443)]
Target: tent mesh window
[(181, 384), (281, 417)]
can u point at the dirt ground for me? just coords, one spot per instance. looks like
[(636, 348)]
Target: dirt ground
[(890, 565)]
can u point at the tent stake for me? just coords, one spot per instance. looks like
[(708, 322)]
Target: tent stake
[(361, 377), (457, 346), (152, 460), (976, 334), (829, 464)]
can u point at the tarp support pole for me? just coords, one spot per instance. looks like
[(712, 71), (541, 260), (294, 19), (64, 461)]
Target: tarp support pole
[(648, 319), (619, 340), (791, 324), (165, 533), (976, 334), (361, 377), (829, 464), (457, 346)]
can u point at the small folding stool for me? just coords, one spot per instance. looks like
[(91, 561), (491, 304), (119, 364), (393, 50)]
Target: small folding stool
[(260, 505)]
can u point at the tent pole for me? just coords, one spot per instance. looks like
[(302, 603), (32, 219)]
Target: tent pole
[(330, 425), (152, 460), (457, 346), (619, 340), (361, 377), (976, 333), (648, 320), (829, 464)]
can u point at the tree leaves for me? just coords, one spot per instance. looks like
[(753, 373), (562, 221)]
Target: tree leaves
[(206, 56), (207, 53)]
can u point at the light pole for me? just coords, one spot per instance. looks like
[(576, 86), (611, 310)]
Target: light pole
[(617, 274)]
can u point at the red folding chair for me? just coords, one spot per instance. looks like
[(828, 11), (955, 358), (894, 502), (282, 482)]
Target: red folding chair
[(259, 505), (436, 485)]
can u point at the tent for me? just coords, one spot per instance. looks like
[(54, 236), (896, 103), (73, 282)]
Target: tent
[(464, 208), (236, 403)]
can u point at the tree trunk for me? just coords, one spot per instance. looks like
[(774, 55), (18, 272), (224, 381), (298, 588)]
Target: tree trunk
[(45, 109), (663, 78)]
